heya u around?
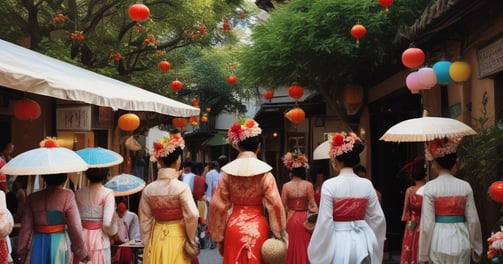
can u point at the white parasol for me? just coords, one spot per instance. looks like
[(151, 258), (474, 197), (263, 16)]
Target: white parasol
[(45, 160), (427, 128), (321, 151), (125, 184)]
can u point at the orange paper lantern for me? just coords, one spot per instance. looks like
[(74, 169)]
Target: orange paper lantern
[(295, 115), (179, 122), (129, 122), (353, 94), (204, 118), (27, 109)]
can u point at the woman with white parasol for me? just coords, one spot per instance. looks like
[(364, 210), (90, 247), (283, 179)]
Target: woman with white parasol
[(448, 211), (50, 225)]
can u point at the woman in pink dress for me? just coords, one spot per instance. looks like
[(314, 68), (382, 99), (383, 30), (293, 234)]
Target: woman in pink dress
[(298, 198), (246, 186), (97, 207), (412, 211), (168, 212)]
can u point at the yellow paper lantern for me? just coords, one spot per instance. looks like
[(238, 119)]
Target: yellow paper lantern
[(460, 71)]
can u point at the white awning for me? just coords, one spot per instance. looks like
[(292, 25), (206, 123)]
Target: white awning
[(26, 70)]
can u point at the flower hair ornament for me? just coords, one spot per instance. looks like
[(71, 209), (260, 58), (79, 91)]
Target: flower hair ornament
[(49, 142), (440, 147), (295, 160), (242, 130), (166, 145), (342, 143)]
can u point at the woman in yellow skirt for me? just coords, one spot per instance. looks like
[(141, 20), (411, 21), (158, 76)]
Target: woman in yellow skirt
[(168, 213)]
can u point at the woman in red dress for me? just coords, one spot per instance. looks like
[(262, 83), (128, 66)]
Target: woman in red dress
[(412, 212), (298, 197), (246, 186)]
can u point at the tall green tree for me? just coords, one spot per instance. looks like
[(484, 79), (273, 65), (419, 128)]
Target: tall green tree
[(100, 36), (310, 42)]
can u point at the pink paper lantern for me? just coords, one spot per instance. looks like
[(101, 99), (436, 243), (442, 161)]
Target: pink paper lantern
[(413, 83), (427, 77)]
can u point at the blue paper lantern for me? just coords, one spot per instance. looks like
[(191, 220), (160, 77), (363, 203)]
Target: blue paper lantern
[(441, 69)]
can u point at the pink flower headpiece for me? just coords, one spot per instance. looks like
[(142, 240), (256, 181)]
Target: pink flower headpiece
[(441, 147), (240, 131), (342, 143), (295, 160), (165, 146)]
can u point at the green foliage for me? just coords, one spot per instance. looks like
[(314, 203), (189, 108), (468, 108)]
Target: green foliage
[(481, 162), (310, 41), (108, 30)]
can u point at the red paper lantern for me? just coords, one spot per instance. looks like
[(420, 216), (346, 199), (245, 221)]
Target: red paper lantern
[(413, 57), (496, 191), (358, 31), (386, 4), (195, 102), (268, 94), (295, 91), (204, 118), (138, 12), (129, 122), (295, 115), (232, 79), (164, 66), (27, 109), (176, 86), (179, 122)]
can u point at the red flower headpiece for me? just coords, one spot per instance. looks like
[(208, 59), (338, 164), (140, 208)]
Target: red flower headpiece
[(342, 143), (240, 131), (49, 142), (441, 147), (295, 160), (165, 146)]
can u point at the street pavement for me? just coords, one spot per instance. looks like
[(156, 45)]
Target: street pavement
[(209, 256)]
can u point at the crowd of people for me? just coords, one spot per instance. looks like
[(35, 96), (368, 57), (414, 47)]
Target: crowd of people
[(236, 206)]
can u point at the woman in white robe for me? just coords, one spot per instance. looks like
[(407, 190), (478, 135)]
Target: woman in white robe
[(450, 229), (351, 226)]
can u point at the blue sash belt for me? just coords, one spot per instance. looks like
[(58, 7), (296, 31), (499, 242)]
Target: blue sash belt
[(449, 219)]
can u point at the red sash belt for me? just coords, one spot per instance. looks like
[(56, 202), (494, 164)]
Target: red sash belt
[(50, 229), (167, 214), (349, 209), (297, 204), (91, 225), (450, 205)]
